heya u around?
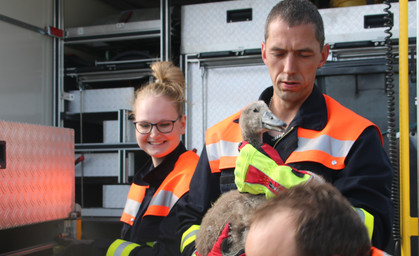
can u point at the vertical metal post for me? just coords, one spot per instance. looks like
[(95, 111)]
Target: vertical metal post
[(165, 41), (188, 96), (58, 60), (204, 77), (121, 125), (123, 174), (409, 225), (81, 90), (417, 105), (122, 154)]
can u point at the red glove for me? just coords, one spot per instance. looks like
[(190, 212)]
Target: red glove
[(217, 249)]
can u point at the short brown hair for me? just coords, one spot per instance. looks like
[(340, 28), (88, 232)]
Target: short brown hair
[(326, 222)]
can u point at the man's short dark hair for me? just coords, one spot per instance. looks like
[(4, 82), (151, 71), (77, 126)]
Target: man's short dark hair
[(297, 12)]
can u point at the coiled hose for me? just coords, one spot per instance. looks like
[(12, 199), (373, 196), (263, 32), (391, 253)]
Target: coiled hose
[(391, 129)]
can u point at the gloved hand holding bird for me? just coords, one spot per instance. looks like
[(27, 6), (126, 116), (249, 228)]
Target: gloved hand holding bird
[(260, 174)]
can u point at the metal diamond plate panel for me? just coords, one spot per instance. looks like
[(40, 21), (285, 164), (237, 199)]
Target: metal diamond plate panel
[(37, 184), (216, 93)]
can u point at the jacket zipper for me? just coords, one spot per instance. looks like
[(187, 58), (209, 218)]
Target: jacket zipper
[(282, 136)]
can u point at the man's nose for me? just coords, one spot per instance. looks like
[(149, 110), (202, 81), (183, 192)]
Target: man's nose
[(290, 64)]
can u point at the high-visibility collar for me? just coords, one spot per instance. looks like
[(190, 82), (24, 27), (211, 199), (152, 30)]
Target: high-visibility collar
[(331, 145), (174, 186), (328, 146)]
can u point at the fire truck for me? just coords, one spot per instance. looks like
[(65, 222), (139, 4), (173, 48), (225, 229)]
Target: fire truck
[(68, 69)]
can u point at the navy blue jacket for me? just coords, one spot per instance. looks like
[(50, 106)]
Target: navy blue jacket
[(365, 181), (154, 228)]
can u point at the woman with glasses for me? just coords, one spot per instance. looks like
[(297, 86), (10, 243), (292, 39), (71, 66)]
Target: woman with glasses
[(150, 214)]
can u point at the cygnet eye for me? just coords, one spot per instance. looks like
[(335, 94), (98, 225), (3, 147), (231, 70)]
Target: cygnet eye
[(255, 110)]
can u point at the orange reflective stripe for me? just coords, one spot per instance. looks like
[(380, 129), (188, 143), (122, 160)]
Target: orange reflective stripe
[(331, 145), (324, 150), (214, 164), (222, 141), (174, 186), (231, 130), (377, 252), (157, 210), (135, 197), (344, 117), (137, 192), (328, 147), (222, 155), (179, 178), (228, 161), (128, 218)]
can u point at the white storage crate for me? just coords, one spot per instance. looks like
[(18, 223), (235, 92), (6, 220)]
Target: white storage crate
[(103, 165), (101, 100), (206, 27), (111, 132), (115, 196)]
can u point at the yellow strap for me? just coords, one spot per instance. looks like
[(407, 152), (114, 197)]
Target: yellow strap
[(368, 220), (151, 244), (121, 248), (189, 236)]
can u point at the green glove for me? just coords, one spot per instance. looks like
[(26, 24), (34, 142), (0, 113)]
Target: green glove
[(259, 173)]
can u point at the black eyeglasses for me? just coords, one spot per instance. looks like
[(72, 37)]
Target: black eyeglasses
[(165, 126)]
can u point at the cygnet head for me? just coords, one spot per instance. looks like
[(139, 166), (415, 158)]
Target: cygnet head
[(256, 119)]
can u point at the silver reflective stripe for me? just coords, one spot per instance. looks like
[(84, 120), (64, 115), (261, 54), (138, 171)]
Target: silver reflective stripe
[(131, 207), (327, 144), (222, 148), (360, 213), (120, 249), (164, 198), (189, 235)]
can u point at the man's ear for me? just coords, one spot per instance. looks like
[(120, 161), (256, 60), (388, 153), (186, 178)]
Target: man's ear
[(325, 55), (263, 52)]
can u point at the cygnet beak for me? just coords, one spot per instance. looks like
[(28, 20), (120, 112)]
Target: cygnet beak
[(271, 122)]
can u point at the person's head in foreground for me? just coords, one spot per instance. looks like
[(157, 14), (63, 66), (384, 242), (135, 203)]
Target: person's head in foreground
[(309, 220)]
